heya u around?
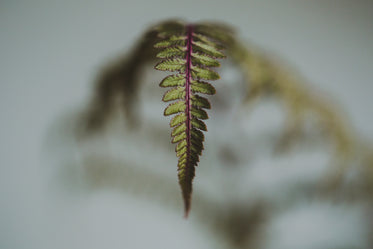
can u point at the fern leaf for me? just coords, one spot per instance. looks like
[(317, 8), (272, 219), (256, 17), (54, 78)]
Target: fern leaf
[(207, 49), (206, 40), (174, 94), (171, 41), (174, 64), (191, 54), (199, 124), (204, 73), (200, 102), (169, 52), (199, 113), (173, 80), (178, 119), (175, 107), (202, 59), (202, 87)]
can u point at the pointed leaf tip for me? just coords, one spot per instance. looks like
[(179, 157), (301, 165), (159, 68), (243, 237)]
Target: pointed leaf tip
[(186, 213)]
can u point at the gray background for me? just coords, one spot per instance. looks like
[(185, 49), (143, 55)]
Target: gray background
[(50, 52)]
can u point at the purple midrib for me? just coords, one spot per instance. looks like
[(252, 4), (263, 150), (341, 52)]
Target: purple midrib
[(188, 94)]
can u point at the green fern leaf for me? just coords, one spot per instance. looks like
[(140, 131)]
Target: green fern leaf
[(204, 60), (178, 119), (206, 40), (204, 73), (173, 80), (191, 54), (171, 41), (200, 102), (174, 64), (174, 108), (202, 87), (207, 49), (169, 52), (174, 94), (199, 113), (199, 124)]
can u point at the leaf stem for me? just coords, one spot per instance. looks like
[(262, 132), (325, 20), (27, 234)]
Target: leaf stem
[(188, 114)]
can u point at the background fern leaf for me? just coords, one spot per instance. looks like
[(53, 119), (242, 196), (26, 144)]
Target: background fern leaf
[(191, 53)]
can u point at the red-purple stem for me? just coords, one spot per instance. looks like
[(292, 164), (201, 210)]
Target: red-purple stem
[(188, 94)]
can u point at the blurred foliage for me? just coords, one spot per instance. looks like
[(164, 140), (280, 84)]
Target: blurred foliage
[(270, 78)]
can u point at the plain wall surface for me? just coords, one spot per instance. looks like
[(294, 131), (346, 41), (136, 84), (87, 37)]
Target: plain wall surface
[(50, 52)]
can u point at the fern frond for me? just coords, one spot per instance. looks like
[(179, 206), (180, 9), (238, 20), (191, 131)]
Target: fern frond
[(191, 54)]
